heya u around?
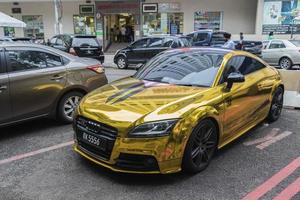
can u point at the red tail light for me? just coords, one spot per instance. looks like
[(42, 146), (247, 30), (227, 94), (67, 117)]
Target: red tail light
[(96, 68), (73, 52)]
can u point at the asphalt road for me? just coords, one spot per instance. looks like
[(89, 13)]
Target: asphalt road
[(56, 174)]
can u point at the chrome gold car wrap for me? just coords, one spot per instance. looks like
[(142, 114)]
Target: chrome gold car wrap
[(130, 102)]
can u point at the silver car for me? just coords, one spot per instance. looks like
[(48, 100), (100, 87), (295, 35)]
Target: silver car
[(39, 81), (283, 53)]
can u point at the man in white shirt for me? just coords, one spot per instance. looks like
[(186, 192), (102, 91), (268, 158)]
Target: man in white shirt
[(229, 44)]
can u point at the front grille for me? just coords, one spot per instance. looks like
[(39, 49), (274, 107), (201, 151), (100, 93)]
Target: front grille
[(103, 131)]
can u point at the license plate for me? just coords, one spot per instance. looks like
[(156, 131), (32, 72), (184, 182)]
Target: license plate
[(93, 140)]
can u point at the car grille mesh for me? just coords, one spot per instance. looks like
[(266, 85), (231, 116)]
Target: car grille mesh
[(103, 131)]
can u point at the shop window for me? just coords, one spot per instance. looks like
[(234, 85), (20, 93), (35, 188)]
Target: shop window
[(35, 26), (84, 25), (9, 31), (208, 20), (162, 23)]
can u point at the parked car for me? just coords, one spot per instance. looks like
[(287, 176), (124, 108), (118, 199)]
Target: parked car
[(146, 48), (283, 53), (254, 47), (207, 38), (38, 81), (78, 45), (177, 110)]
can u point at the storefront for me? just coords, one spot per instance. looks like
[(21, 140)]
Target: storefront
[(162, 18)]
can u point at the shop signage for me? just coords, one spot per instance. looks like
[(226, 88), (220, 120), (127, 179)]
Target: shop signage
[(86, 9), (169, 7), (150, 7), (281, 16), (118, 7)]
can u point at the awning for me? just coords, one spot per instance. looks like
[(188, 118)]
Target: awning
[(8, 21)]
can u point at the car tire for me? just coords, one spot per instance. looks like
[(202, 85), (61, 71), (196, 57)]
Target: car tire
[(122, 62), (200, 147), (67, 106), (285, 63), (276, 105)]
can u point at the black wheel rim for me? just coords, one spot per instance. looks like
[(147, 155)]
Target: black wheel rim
[(277, 104), (204, 145)]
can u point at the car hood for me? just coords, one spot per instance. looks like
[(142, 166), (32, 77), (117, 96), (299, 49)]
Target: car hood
[(127, 101)]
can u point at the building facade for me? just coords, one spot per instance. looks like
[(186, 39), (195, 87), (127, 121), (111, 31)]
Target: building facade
[(255, 18)]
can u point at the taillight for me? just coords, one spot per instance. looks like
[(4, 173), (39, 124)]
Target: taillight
[(96, 68), (73, 52)]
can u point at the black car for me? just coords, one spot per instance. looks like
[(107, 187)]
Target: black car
[(207, 38), (78, 45), (142, 50), (254, 47)]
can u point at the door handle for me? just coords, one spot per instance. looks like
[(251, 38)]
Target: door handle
[(57, 77)]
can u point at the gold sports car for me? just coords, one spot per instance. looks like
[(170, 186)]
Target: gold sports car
[(177, 110)]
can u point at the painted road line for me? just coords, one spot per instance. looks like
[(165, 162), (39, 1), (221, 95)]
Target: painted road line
[(290, 191), (269, 139), (269, 136), (274, 140), (273, 181), (33, 153)]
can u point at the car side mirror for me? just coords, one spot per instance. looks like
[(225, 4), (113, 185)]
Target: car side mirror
[(234, 77)]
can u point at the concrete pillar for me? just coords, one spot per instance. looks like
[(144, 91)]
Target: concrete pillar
[(259, 18), (1, 32)]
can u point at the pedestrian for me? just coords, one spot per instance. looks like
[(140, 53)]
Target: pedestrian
[(240, 44), (123, 33), (271, 35), (115, 33), (229, 44)]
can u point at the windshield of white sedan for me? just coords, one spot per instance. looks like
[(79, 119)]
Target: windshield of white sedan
[(183, 68)]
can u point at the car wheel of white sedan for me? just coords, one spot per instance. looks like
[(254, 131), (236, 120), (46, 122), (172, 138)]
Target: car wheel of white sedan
[(285, 63)]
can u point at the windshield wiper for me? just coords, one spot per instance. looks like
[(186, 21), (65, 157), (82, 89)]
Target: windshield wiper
[(192, 85)]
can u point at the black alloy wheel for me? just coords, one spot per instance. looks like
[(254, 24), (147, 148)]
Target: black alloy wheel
[(201, 147), (276, 105)]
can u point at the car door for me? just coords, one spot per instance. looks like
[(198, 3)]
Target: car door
[(136, 51), (246, 102), (155, 47), (36, 78), (5, 107), (273, 52)]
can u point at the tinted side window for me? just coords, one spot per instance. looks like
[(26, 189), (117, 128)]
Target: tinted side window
[(21, 60), (140, 43), (53, 40), (276, 45), (201, 37), (242, 64), (53, 60), (217, 38), (167, 42), (59, 41), (156, 42)]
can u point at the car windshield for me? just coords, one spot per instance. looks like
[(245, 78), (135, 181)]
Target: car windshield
[(295, 42), (85, 41), (193, 68)]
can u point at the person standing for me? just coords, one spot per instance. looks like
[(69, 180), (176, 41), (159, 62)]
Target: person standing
[(271, 35), (123, 33), (229, 44), (241, 42)]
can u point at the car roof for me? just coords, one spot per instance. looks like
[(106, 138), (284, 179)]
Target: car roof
[(206, 31), (201, 49), (76, 35), (32, 45)]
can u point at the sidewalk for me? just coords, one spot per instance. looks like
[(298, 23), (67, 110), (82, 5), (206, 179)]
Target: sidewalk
[(109, 61)]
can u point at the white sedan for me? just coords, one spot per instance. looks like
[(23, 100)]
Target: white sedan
[(285, 53)]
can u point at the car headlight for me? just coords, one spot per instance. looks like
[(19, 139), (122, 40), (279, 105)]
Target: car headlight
[(154, 129)]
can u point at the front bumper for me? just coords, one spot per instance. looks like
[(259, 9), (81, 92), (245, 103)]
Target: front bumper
[(155, 149)]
